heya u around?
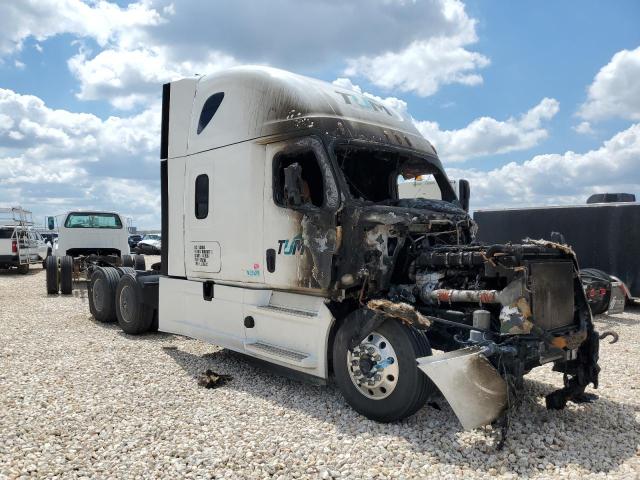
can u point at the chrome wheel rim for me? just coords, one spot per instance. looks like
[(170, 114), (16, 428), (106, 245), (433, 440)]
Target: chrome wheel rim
[(97, 294), (125, 302), (373, 367)]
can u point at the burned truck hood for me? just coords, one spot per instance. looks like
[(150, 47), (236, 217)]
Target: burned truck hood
[(413, 209), (374, 234)]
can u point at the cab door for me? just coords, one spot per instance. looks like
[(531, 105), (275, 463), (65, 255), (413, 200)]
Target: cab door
[(202, 252), (299, 240), (223, 214)]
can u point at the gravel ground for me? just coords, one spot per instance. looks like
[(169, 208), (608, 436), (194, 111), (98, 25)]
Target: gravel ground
[(82, 399)]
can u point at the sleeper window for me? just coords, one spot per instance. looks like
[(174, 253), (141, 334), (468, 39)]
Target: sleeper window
[(202, 196), (209, 109)]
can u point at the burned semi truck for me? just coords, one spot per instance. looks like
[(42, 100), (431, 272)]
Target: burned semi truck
[(285, 239)]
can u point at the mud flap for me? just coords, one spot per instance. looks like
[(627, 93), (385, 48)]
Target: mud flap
[(472, 386)]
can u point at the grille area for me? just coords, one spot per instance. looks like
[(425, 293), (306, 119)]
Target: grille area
[(552, 294)]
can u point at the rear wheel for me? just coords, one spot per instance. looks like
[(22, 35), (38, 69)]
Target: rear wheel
[(51, 263), (23, 268), (127, 261), (134, 317), (66, 275), (124, 270), (140, 263), (379, 378), (102, 292)]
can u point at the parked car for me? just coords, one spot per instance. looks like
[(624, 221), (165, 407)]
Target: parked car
[(150, 244), (133, 240)]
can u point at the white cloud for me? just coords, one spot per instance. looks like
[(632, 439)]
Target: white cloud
[(427, 63), (584, 128), (19, 65), (78, 160), (422, 67), (615, 91), (41, 19), (560, 178), (131, 77), (413, 46), (488, 136)]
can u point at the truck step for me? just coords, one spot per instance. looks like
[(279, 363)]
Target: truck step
[(286, 310), (279, 353)]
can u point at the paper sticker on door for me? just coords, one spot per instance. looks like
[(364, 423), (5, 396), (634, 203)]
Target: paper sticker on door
[(205, 257)]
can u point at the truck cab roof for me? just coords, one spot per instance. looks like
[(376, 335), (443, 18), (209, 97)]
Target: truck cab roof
[(251, 102)]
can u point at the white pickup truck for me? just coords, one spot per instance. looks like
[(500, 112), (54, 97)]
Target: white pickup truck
[(20, 246), (85, 240)]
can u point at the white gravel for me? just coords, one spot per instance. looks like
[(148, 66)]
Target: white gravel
[(82, 399)]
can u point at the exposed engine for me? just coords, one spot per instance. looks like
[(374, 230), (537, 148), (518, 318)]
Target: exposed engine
[(516, 306)]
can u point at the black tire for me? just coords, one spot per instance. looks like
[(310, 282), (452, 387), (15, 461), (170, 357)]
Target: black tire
[(127, 261), (413, 388), (124, 270), (66, 275), (23, 268), (102, 294), (134, 317), (140, 263), (53, 286)]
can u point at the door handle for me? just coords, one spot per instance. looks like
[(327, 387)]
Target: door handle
[(271, 260)]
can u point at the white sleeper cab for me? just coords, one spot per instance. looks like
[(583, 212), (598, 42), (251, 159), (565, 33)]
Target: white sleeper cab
[(286, 237)]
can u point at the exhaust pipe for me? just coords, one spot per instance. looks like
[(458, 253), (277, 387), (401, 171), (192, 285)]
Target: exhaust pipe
[(472, 386)]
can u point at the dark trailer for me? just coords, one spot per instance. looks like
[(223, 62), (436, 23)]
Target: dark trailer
[(605, 236)]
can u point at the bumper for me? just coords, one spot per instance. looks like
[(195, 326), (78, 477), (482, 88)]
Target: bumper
[(9, 260), (475, 390)]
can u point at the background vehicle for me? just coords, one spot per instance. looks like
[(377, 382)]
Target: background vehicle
[(133, 241), (86, 240), (284, 238), (20, 245), (150, 244), (604, 234)]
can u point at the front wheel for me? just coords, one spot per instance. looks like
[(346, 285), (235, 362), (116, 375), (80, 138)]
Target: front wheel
[(379, 378)]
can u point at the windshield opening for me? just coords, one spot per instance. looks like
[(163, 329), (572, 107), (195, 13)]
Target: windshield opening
[(93, 220), (374, 175)]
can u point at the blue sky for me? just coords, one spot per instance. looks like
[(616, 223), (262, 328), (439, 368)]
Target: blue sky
[(540, 93)]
